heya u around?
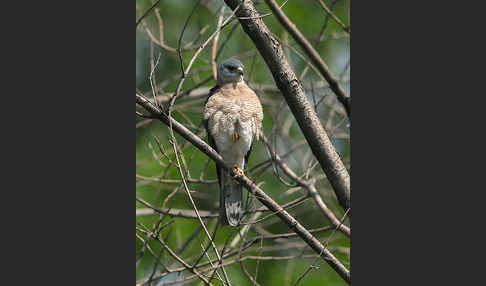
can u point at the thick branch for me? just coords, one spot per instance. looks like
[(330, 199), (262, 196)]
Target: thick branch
[(292, 90), (251, 187), (313, 55)]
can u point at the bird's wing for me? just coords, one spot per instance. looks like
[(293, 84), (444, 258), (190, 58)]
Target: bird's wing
[(230, 194), (211, 141)]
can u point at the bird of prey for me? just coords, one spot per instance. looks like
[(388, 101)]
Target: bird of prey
[(233, 118)]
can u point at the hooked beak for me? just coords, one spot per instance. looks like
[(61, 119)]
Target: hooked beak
[(240, 70)]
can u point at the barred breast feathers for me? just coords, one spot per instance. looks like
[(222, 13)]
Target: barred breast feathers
[(236, 100)]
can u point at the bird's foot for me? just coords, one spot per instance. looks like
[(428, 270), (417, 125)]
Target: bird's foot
[(238, 172), (236, 136)]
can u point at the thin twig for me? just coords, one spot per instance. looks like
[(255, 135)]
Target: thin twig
[(146, 13), (313, 55), (293, 92), (249, 185)]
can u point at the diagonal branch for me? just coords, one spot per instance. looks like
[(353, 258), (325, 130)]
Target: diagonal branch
[(250, 186), (310, 188), (313, 55), (334, 17), (293, 92), (146, 13)]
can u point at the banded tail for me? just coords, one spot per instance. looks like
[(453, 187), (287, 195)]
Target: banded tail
[(230, 200)]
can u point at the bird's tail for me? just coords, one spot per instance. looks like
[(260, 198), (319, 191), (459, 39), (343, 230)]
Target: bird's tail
[(230, 200)]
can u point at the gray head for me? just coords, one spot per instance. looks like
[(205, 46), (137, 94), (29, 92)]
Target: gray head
[(230, 70)]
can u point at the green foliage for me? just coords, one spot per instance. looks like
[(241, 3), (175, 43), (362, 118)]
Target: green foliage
[(309, 17)]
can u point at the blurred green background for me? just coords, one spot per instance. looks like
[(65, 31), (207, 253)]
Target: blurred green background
[(333, 47)]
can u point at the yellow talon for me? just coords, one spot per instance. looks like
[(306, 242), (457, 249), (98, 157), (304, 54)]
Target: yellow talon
[(238, 172)]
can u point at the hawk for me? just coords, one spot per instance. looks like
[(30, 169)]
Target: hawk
[(233, 118)]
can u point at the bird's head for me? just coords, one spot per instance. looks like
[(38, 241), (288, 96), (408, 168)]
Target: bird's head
[(229, 71)]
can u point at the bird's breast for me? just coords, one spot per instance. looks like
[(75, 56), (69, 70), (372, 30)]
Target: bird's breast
[(223, 124)]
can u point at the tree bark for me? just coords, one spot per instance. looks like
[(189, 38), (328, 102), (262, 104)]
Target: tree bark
[(293, 92), (312, 54)]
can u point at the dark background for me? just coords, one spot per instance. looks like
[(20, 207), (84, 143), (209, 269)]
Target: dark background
[(416, 143)]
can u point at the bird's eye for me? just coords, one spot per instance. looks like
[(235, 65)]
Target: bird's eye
[(231, 68)]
